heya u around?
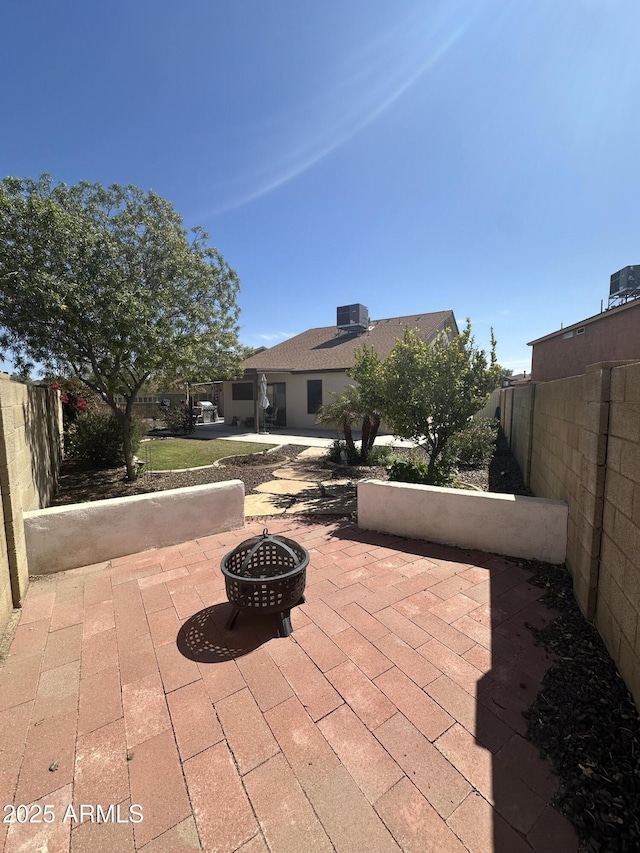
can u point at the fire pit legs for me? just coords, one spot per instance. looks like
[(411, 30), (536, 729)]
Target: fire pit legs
[(232, 617), (265, 575), (284, 619), (284, 628)]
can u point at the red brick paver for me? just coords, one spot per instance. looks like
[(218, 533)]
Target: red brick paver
[(391, 719)]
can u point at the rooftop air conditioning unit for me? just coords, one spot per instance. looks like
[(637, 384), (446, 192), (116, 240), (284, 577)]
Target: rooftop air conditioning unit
[(625, 282), (353, 317)]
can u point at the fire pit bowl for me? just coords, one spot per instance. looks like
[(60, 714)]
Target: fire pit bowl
[(266, 574)]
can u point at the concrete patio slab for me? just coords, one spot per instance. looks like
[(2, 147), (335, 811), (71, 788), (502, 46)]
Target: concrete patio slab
[(300, 471), (391, 719), (264, 504), (294, 486)]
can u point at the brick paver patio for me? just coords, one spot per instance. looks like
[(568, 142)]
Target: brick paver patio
[(390, 720)]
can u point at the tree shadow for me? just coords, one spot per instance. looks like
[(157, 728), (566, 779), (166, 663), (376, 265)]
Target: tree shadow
[(43, 440)]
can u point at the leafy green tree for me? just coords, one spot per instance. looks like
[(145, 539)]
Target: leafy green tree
[(433, 389), (361, 403), (369, 374), (105, 284), (342, 412)]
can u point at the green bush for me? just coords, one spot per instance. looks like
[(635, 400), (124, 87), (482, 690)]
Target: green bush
[(474, 446), (179, 419), (412, 470), (95, 439), (415, 469), (334, 454), (380, 454)]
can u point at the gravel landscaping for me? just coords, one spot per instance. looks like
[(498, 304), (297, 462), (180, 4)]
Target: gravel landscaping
[(585, 721), (77, 484)]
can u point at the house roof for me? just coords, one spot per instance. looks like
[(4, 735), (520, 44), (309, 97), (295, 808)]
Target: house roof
[(634, 303), (328, 348)]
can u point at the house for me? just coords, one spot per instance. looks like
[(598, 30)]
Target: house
[(303, 371), (611, 335)]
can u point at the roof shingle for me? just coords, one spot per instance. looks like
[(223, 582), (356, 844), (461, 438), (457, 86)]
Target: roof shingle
[(328, 348)]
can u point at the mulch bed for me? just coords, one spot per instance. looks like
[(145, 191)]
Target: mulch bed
[(77, 484), (585, 721)]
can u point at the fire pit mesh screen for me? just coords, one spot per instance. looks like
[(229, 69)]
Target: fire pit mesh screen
[(266, 573)]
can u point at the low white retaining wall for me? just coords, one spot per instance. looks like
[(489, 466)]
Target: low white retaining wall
[(67, 537), (531, 528)]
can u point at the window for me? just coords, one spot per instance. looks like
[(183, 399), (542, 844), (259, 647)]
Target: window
[(567, 335), (314, 395), (242, 391), (580, 331)]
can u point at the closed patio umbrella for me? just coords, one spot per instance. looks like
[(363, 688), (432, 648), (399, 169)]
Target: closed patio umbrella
[(263, 399)]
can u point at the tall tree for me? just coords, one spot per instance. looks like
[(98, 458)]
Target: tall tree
[(368, 372), (432, 390), (358, 403), (105, 284), (342, 412)]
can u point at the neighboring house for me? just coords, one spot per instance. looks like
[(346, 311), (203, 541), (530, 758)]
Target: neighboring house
[(612, 335), (149, 405), (302, 371)]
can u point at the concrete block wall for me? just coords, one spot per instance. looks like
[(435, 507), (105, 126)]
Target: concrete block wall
[(519, 428), (569, 430), (584, 447), (618, 602), (493, 403), (6, 592), (30, 455)]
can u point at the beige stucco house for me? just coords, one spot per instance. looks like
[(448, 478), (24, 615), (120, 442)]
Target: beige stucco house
[(302, 372), (612, 335)]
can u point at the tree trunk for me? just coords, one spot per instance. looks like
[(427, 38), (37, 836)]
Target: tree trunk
[(132, 470), (348, 437), (375, 426), (435, 451), (364, 444)]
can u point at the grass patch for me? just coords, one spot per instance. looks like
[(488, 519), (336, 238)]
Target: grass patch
[(166, 454)]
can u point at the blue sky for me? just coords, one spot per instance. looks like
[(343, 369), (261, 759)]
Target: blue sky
[(414, 155)]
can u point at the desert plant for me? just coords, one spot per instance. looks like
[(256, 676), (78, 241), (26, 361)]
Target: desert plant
[(432, 389), (338, 447), (412, 470), (179, 419), (416, 469), (95, 438), (474, 445), (379, 455)]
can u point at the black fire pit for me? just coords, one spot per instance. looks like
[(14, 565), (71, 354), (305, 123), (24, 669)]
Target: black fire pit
[(266, 574)]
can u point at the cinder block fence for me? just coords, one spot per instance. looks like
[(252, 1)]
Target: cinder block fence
[(578, 440), (30, 455)]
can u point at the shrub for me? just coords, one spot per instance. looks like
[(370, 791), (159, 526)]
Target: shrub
[(379, 454), (334, 454), (180, 419), (95, 438), (409, 471), (474, 446), (415, 469)]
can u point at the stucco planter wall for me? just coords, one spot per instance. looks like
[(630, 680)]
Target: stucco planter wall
[(531, 528), (67, 537)]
